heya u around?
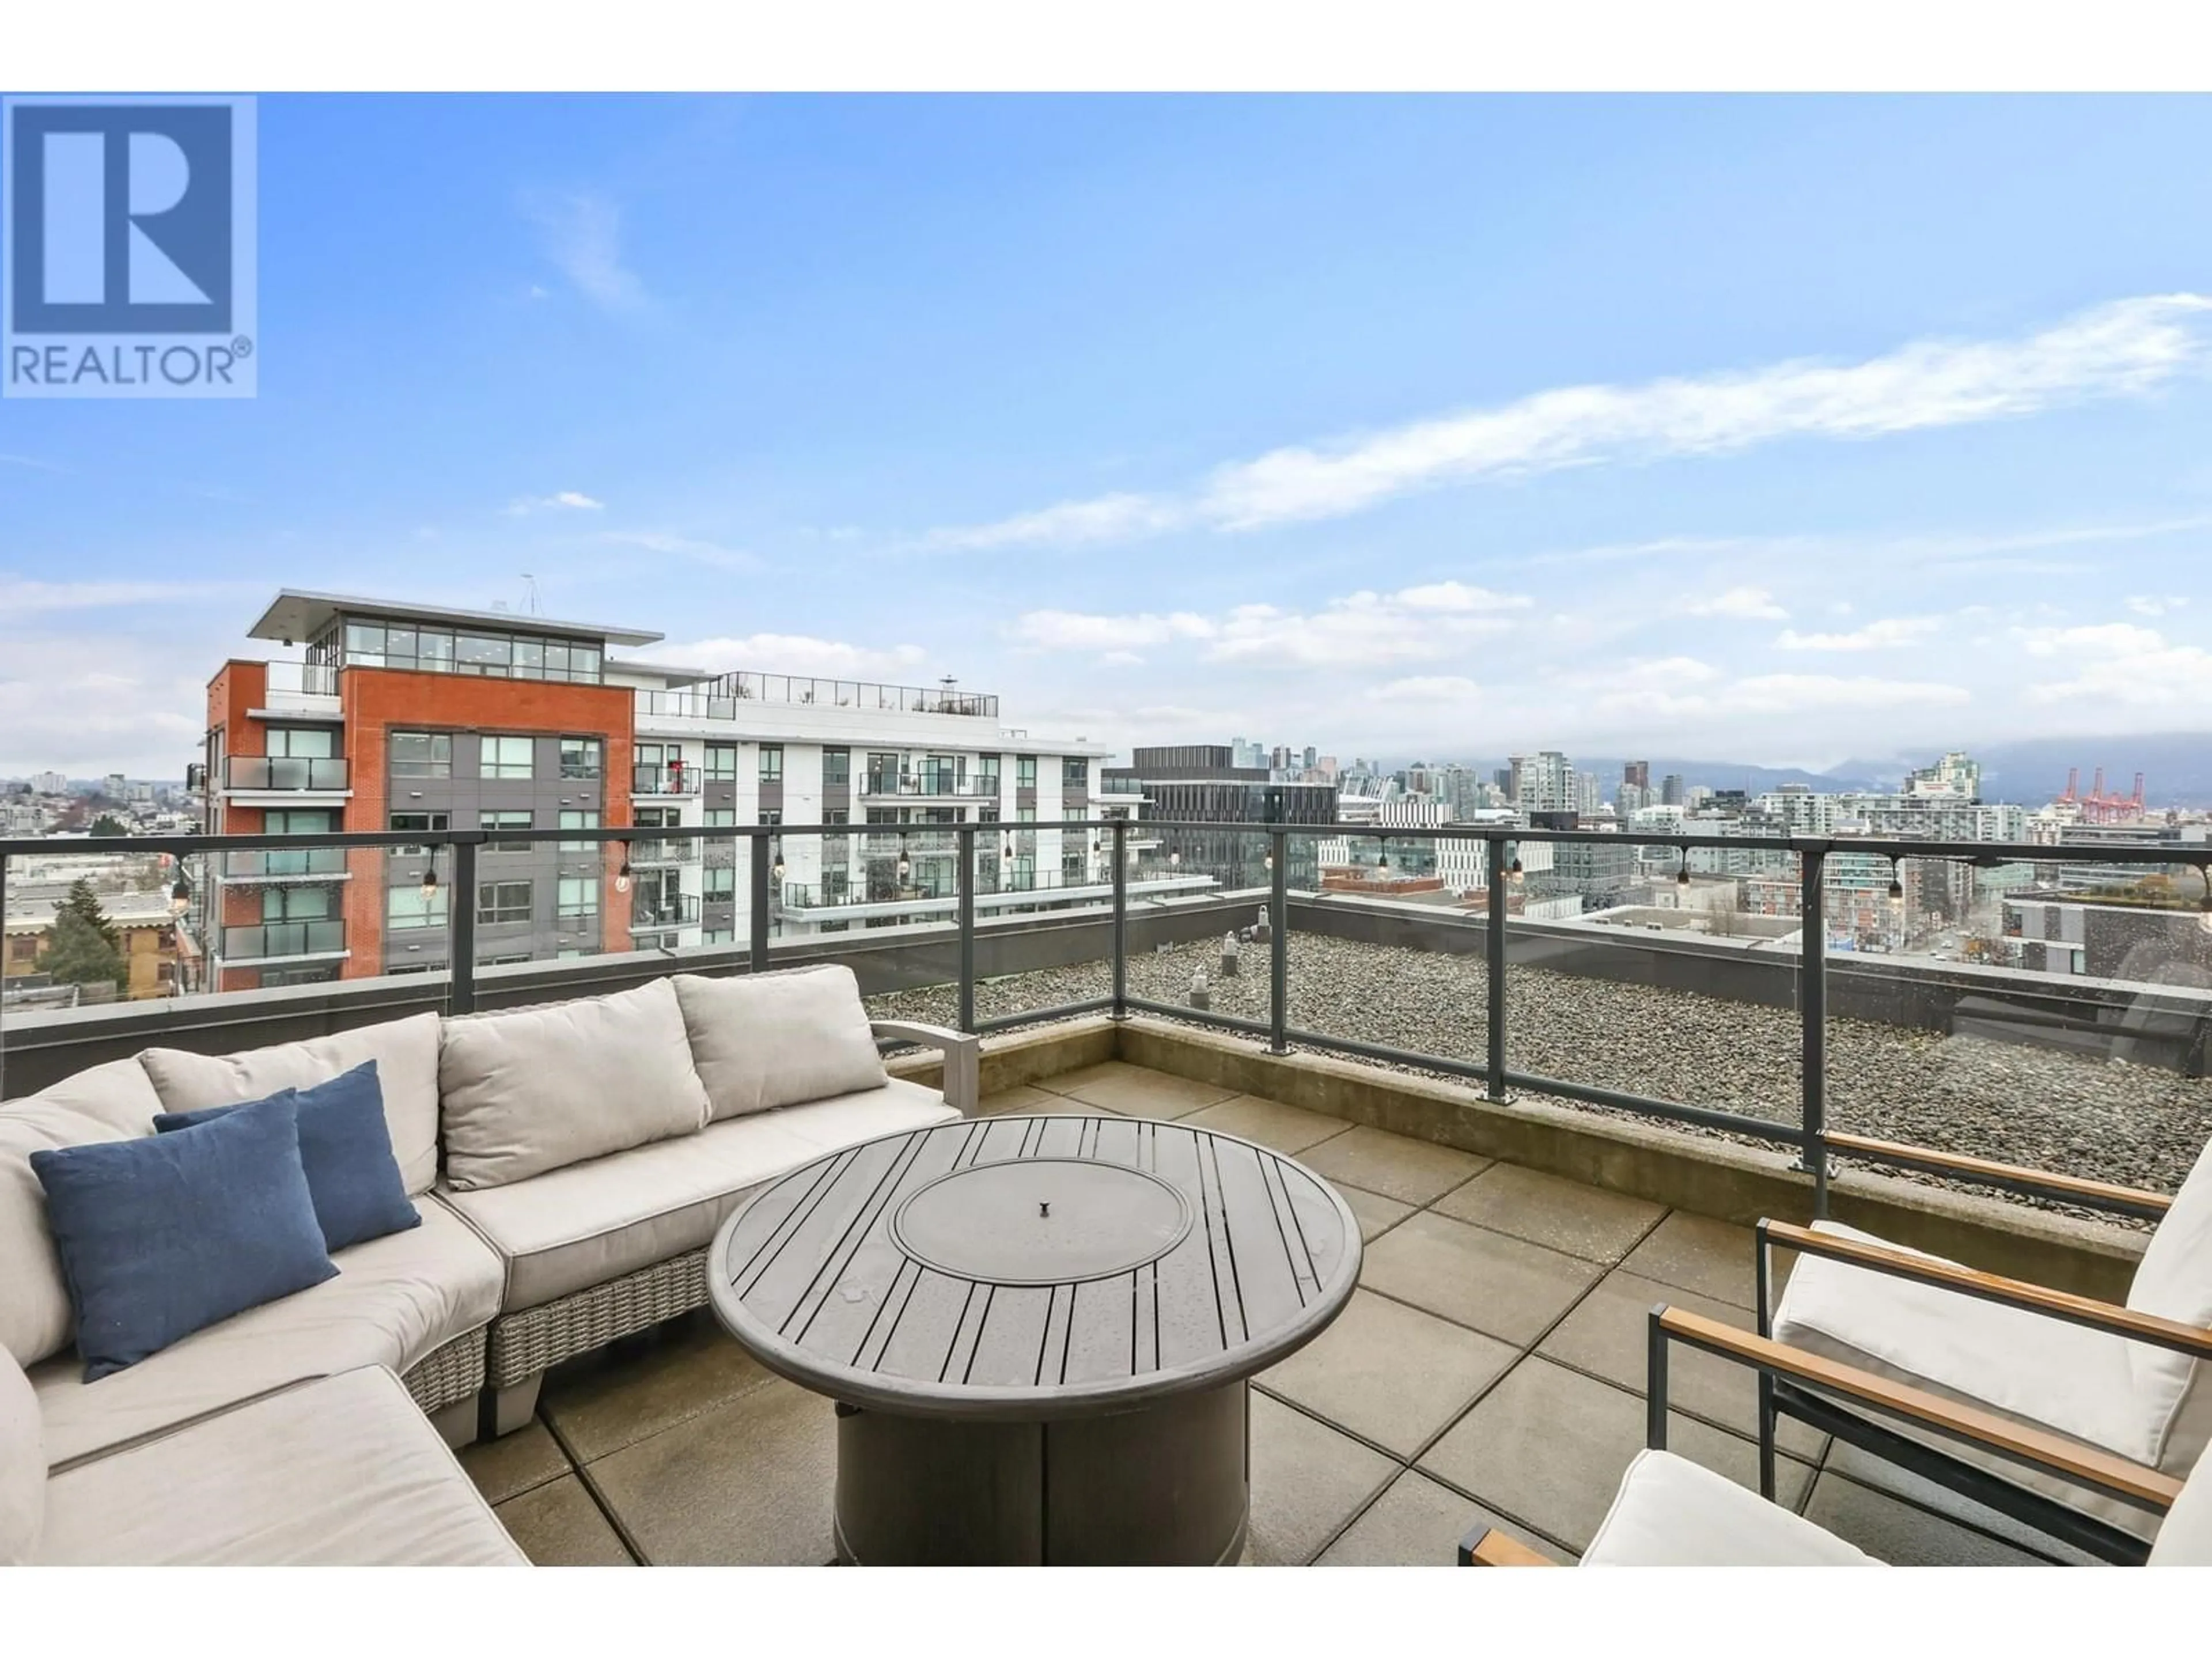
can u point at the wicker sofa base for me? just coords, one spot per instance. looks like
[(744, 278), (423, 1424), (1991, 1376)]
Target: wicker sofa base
[(448, 1373), (537, 1338)]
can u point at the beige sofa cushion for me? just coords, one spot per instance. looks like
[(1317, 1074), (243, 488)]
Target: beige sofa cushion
[(570, 1229), (543, 1088), (340, 1471), (113, 1102), (762, 1041), (22, 1467), (395, 1299), (406, 1055)]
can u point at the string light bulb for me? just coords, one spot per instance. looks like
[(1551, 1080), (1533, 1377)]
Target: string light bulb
[(430, 879), (1682, 875), (621, 875), (180, 896), (905, 863), (1896, 887)]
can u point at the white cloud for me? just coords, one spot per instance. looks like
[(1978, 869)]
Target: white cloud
[(2151, 605), (1884, 635), (1075, 630), (1793, 693), (1744, 604), (1410, 625), (561, 501), (1121, 659), (797, 654), (1427, 688), (2127, 346), (582, 234), (2120, 664), (1072, 524)]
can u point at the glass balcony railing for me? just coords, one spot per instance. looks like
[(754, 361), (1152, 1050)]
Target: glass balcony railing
[(273, 772), (648, 911), (270, 941), (664, 779), (1843, 1000), (272, 864), (885, 785)]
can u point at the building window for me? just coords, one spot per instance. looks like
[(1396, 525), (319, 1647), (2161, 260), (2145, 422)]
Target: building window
[(407, 906), (722, 762), (771, 763), (771, 815), (440, 651), (578, 897), (1075, 772), (720, 882), (987, 775), (502, 901), (582, 757), (505, 821), (421, 755), (508, 758), (421, 823), (295, 903), (302, 743), (1025, 771), (882, 774), (577, 817), (718, 936), (1071, 866), (837, 766)]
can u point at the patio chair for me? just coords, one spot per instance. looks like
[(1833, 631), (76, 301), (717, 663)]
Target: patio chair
[(1671, 1512), (2129, 1379)]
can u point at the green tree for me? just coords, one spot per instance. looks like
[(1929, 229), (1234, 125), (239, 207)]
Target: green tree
[(108, 824), (82, 902), (81, 954)]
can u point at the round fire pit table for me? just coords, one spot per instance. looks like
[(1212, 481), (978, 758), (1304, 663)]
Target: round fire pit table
[(1038, 1330)]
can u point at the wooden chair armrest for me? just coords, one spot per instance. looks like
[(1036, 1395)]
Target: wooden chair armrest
[(2090, 1465), (2170, 1334), (2135, 1199), (1486, 1546)]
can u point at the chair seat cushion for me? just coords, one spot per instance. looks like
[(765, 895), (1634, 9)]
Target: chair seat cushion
[(394, 1300), (1671, 1512), (22, 1465), (572, 1228), (406, 1055), (160, 1238), (2064, 1377), (2029, 1367), (114, 1102), (343, 1471)]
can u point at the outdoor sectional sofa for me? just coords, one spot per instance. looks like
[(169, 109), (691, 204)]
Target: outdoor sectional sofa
[(570, 1163)]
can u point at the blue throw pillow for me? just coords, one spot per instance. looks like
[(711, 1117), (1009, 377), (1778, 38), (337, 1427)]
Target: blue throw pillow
[(345, 1146), (162, 1236)]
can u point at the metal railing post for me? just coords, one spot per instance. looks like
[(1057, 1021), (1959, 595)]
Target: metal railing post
[(757, 850), (966, 833), (1493, 952), (1278, 943), (1121, 919), (461, 910), (1812, 1014)]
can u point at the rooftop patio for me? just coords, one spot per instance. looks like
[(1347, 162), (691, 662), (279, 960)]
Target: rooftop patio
[(1490, 1370)]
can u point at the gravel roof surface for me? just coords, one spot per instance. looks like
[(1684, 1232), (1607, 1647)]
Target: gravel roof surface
[(2047, 1109)]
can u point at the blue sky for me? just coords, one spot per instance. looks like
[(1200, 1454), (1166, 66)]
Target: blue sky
[(1767, 429)]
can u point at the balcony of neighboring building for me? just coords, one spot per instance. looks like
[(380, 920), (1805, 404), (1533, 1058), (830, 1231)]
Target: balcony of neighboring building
[(272, 865), (284, 780), (672, 782), (651, 910), (659, 852), (270, 942)]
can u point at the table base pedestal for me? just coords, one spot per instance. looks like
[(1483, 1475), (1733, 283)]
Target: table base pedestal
[(1166, 1484)]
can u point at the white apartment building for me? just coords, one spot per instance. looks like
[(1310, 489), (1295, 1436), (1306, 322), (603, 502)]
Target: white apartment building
[(901, 765)]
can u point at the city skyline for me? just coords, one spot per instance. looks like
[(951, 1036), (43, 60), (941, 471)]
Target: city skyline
[(1429, 451)]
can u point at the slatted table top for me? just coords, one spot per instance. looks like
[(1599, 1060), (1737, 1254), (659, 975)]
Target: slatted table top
[(1034, 1266)]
